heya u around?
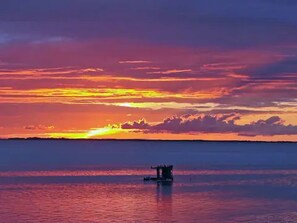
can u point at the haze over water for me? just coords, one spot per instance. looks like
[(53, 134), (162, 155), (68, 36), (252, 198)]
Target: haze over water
[(101, 181)]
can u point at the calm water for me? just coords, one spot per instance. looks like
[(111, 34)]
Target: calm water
[(101, 181)]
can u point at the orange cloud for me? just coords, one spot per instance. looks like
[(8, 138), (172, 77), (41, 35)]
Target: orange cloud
[(46, 71)]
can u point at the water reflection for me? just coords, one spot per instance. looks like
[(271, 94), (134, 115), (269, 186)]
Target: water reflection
[(164, 189), (205, 198), (164, 199)]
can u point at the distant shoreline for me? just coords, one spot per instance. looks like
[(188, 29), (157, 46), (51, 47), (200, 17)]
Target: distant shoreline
[(149, 140)]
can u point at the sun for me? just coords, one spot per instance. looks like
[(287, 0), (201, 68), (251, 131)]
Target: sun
[(108, 130)]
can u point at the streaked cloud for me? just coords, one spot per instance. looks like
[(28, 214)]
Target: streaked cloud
[(147, 60), (94, 95), (170, 71), (146, 68), (134, 62)]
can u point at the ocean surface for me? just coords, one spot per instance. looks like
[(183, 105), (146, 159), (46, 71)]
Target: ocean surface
[(101, 181)]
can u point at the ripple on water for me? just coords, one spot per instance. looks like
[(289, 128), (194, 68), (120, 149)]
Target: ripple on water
[(199, 196)]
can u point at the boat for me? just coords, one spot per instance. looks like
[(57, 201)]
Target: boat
[(164, 174)]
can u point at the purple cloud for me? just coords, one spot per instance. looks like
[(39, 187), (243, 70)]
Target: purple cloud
[(136, 125), (193, 22), (215, 124)]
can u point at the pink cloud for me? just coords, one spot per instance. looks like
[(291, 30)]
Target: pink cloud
[(95, 64)]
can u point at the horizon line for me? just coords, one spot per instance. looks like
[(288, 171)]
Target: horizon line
[(165, 140)]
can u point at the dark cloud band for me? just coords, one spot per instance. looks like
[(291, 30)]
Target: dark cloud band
[(214, 124)]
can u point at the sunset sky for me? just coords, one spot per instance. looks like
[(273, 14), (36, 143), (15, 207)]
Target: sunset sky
[(149, 69)]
